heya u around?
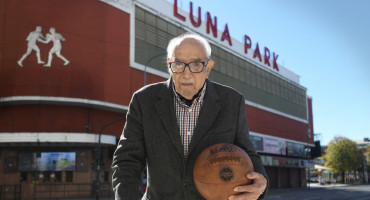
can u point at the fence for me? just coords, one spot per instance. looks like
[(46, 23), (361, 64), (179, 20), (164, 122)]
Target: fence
[(10, 192)]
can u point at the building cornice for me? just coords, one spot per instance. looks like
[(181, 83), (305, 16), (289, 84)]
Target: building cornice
[(69, 101)]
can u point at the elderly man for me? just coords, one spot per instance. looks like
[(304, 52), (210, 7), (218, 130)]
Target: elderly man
[(170, 123)]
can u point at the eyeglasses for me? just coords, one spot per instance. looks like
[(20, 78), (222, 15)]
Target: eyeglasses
[(194, 67)]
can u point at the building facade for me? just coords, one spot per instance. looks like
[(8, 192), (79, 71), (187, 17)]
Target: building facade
[(69, 68)]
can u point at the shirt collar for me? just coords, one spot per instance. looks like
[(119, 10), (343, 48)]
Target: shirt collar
[(197, 98)]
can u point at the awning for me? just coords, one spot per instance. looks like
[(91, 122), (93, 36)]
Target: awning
[(321, 167)]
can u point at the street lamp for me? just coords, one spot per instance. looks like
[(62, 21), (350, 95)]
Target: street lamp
[(98, 155), (149, 60), (308, 150)]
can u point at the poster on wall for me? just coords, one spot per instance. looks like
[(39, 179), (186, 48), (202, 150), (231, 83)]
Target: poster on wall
[(295, 149), (274, 146), (257, 142), (47, 161)]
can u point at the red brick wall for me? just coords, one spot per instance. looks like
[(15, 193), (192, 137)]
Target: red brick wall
[(265, 122), (97, 46)]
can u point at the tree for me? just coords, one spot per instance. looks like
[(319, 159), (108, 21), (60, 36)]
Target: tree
[(343, 155)]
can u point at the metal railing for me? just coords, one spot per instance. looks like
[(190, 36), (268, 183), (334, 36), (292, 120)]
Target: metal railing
[(70, 190)]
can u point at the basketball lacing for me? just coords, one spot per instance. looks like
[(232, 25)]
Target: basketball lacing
[(221, 159)]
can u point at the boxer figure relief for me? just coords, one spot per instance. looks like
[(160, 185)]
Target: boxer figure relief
[(32, 38), (57, 47)]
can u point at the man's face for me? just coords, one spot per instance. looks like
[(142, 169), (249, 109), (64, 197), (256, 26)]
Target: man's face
[(187, 83)]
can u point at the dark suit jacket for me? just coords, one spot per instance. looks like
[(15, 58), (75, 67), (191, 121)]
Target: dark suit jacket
[(151, 136)]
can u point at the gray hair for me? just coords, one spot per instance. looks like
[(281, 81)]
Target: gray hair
[(175, 42)]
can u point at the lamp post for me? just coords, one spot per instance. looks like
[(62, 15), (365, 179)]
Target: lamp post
[(308, 150), (98, 155), (149, 60)]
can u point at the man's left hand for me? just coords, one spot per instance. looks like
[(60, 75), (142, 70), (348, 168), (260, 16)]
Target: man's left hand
[(253, 191)]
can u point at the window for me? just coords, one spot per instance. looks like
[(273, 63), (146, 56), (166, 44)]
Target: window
[(242, 74), (236, 71), (152, 34), (161, 24), (217, 63), (140, 14), (214, 50), (140, 29), (150, 19)]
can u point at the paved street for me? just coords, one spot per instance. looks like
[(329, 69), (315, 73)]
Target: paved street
[(315, 192), (328, 192)]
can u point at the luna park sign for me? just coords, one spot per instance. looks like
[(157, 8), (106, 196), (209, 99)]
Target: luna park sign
[(211, 28)]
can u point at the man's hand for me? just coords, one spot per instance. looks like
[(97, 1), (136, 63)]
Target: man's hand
[(253, 191)]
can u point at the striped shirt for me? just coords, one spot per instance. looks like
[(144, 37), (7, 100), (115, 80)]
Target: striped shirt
[(187, 117)]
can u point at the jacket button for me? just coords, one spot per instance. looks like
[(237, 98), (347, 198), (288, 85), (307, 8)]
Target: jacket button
[(186, 184)]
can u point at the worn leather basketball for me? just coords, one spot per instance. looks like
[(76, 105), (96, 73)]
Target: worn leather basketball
[(219, 169)]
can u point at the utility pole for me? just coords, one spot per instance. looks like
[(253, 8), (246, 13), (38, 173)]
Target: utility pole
[(308, 150)]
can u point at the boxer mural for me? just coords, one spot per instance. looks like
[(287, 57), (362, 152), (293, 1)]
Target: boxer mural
[(32, 38), (57, 47), (37, 36)]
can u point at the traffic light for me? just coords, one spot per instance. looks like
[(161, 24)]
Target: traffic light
[(95, 154), (97, 161), (316, 151)]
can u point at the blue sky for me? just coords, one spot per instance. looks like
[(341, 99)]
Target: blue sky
[(325, 42)]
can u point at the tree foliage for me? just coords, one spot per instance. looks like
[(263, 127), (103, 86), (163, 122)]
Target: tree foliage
[(343, 155)]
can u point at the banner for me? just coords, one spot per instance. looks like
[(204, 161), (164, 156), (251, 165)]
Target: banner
[(273, 145)]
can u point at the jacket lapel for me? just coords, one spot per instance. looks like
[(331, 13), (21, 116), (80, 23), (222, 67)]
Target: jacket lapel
[(207, 115), (166, 112)]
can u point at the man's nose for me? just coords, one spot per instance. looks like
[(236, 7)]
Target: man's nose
[(187, 73)]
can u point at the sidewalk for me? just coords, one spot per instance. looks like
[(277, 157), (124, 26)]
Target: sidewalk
[(317, 185), (310, 187)]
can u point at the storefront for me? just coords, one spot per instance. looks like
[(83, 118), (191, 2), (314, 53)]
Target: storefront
[(56, 165)]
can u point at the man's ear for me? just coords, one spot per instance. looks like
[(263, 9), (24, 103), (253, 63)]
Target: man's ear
[(168, 62), (168, 66), (210, 65)]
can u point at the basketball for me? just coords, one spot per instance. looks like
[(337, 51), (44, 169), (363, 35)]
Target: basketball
[(219, 169)]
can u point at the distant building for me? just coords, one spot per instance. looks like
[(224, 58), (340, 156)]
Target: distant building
[(365, 171), (362, 144), (56, 98)]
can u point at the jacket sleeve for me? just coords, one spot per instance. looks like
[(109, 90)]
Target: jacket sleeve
[(129, 158), (242, 140)]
